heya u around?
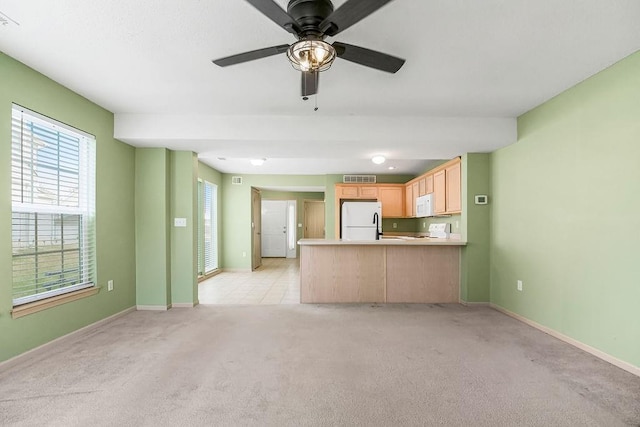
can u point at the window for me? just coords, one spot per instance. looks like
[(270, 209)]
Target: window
[(53, 207), (210, 223)]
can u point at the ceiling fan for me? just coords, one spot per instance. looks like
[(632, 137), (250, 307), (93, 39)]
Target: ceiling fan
[(311, 21)]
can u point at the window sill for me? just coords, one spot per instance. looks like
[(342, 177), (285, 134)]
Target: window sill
[(36, 306)]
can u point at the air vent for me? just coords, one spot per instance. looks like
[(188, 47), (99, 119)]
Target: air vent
[(359, 179), (237, 180)]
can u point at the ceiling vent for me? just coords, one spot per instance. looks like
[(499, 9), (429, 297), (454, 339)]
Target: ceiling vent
[(359, 179), (236, 180)]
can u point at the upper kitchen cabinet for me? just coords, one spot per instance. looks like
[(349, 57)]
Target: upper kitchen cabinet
[(429, 183), (409, 201), (447, 188), (439, 192), (356, 191), (392, 199), (453, 182), (422, 183)]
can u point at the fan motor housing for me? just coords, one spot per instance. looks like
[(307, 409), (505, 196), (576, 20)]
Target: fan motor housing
[(308, 14)]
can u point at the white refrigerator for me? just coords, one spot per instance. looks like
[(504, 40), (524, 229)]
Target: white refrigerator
[(360, 220)]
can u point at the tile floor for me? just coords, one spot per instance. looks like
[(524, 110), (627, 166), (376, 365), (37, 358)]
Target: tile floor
[(277, 281)]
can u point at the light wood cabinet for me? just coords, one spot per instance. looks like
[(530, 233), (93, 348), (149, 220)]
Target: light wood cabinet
[(439, 192), (368, 192), (409, 201), (422, 184), (392, 199), (454, 200), (351, 191), (429, 183)]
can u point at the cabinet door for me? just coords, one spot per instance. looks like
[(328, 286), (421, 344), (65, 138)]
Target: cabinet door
[(439, 192), (392, 199), (454, 202), (429, 180), (423, 186), (347, 191), (369, 192), (409, 202)]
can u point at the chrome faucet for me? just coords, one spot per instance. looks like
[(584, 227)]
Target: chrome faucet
[(376, 221)]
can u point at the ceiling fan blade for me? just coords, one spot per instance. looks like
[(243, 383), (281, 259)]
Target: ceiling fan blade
[(250, 56), (368, 58), (348, 14), (310, 80), (271, 10)]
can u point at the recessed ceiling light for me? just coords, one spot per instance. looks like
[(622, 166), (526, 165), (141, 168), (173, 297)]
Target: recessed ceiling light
[(257, 162), (378, 160), (392, 168)]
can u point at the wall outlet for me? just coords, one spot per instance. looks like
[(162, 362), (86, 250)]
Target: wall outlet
[(424, 225), (519, 285), (110, 285), (395, 225), (244, 254), (457, 224)]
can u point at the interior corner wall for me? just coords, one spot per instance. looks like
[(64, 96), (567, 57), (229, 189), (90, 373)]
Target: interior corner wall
[(115, 223), (565, 202), (184, 246), (152, 230), (475, 229)]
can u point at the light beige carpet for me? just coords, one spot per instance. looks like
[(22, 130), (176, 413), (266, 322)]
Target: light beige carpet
[(309, 365)]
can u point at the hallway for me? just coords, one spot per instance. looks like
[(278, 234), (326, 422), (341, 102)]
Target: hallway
[(277, 281)]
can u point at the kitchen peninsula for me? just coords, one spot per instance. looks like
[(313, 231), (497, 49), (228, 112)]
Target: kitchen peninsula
[(396, 270)]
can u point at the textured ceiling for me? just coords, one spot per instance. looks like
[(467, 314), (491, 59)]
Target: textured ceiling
[(472, 67)]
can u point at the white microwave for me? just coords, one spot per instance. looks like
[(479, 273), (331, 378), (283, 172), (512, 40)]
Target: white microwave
[(424, 206)]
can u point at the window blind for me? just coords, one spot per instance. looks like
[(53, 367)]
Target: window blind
[(53, 207), (210, 227)]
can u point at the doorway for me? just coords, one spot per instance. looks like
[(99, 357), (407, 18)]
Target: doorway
[(314, 223), (278, 228)]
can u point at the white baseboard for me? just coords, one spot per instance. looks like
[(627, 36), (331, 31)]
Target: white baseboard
[(237, 270), (184, 304), (153, 307), (10, 362), (474, 304), (582, 346)]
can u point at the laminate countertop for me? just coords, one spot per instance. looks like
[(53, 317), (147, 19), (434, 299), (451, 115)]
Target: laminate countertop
[(385, 241)]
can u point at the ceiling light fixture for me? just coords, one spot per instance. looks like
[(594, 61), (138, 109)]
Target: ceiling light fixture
[(378, 160), (257, 162), (392, 168), (311, 55)]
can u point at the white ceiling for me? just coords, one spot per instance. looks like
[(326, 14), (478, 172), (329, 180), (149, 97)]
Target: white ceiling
[(472, 67)]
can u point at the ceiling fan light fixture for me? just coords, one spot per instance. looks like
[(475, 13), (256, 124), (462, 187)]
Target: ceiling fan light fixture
[(311, 55), (378, 160)]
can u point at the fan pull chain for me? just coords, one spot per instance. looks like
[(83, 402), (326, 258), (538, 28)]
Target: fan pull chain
[(316, 101)]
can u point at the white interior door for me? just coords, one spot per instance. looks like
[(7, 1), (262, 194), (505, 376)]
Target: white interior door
[(274, 228)]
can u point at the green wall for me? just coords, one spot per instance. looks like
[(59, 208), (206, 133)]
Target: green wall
[(475, 229), (153, 248), (184, 240), (565, 221), (114, 210)]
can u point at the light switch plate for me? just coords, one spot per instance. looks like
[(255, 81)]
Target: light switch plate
[(180, 222)]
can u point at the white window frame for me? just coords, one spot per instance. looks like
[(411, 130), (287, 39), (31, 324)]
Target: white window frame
[(210, 216), (46, 192)]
